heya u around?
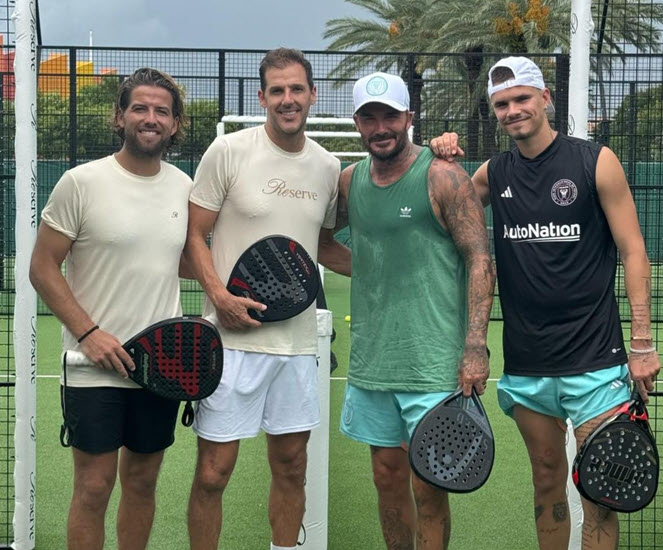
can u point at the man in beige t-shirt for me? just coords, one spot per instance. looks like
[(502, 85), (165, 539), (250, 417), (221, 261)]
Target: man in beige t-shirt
[(120, 222), (250, 184)]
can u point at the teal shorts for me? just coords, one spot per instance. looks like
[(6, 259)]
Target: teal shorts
[(384, 418), (580, 397)]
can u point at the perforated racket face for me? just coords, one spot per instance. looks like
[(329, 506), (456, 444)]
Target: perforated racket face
[(179, 359), (277, 272), (617, 467), (452, 446)]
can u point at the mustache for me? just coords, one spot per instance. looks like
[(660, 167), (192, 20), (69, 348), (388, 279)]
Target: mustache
[(381, 137)]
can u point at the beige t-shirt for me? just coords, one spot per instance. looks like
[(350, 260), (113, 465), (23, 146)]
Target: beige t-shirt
[(260, 190), (128, 233)]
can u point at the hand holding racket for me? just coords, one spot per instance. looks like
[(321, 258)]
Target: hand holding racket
[(278, 272), (179, 358), (106, 352), (233, 312), (617, 466), (473, 370), (452, 447)]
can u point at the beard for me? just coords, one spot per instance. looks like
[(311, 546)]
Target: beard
[(401, 143), (140, 150)]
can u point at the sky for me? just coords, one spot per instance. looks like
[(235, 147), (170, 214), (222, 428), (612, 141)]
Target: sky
[(235, 24)]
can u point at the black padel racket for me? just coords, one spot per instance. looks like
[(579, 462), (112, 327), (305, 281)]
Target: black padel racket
[(453, 447), (617, 465), (278, 272), (179, 359)]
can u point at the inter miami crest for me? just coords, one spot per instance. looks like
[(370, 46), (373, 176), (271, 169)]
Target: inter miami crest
[(564, 192)]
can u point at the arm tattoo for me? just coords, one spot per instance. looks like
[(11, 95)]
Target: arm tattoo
[(560, 512), (463, 214)]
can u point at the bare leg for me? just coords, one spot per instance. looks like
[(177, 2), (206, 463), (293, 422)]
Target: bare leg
[(287, 460), (216, 462), (600, 528), (433, 516), (138, 477), (545, 441), (94, 478), (391, 475)]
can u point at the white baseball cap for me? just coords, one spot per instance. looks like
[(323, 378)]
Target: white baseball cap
[(526, 73), (381, 88)]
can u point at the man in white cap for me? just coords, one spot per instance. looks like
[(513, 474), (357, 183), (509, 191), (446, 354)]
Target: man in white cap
[(422, 288), (562, 210)]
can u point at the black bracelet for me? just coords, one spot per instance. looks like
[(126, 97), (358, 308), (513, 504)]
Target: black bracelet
[(95, 327)]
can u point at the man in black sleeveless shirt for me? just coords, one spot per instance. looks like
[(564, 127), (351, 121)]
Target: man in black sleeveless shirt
[(562, 209)]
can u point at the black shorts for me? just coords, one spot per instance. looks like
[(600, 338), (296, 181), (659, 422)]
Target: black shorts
[(104, 419)]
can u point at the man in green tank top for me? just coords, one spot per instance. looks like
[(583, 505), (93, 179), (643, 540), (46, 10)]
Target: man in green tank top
[(422, 289)]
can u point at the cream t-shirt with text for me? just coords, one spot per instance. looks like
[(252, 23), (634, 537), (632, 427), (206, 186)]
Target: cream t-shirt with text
[(260, 190)]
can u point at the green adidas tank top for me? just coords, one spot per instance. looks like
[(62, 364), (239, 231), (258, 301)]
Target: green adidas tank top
[(408, 290)]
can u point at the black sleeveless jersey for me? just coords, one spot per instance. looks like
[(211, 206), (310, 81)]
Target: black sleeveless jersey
[(556, 262)]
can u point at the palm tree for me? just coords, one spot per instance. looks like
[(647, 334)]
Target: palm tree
[(393, 29), (470, 29)]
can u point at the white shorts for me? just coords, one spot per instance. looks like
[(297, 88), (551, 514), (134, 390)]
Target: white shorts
[(276, 393)]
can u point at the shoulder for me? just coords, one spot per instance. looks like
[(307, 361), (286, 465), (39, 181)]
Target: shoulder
[(580, 144), (236, 141), (444, 172), (322, 156), (175, 174), (346, 177), (91, 168)]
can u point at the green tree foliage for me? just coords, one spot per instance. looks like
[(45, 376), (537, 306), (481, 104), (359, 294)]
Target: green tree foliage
[(637, 128), (468, 29)]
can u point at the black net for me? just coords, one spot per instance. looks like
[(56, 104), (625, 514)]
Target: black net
[(7, 286)]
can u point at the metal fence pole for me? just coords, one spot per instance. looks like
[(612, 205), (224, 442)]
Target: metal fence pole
[(73, 125)]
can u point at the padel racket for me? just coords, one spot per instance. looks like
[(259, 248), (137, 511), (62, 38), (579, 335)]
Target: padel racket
[(278, 272), (617, 465), (179, 358), (452, 447)]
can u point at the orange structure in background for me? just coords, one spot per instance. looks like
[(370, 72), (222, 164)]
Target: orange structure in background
[(54, 74), (7, 80)]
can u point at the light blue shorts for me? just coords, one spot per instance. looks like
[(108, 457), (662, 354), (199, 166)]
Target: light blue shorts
[(384, 418), (580, 397)]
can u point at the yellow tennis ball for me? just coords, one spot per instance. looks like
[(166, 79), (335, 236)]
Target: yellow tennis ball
[(347, 318)]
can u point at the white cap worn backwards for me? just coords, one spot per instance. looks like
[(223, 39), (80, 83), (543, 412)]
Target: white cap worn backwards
[(381, 88), (525, 71)]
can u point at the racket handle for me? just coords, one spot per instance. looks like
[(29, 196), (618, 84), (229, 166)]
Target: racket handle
[(75, 358)]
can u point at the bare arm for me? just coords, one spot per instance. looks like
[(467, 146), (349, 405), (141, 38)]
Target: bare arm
[(446, 147), (231, 310), (332, 254), (342, 218), (50, 250), (457, 205), (480, 182), (619, 209)]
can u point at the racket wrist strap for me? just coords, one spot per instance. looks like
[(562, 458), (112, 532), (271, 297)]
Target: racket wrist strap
[(86, 334), (651, 349)]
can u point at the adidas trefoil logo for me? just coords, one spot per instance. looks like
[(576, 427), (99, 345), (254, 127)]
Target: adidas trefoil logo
[(507, 194), (406, 212)]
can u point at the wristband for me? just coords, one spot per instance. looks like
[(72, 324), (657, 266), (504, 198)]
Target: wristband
[(643, 351), (644, 338), (85, 335)]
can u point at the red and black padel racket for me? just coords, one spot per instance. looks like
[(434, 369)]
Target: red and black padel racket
[(617, 466), (278, 272), (179, 359), (452, 447)]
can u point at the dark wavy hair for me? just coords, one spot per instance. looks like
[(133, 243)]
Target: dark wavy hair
[(151, 77), (281, 58)]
